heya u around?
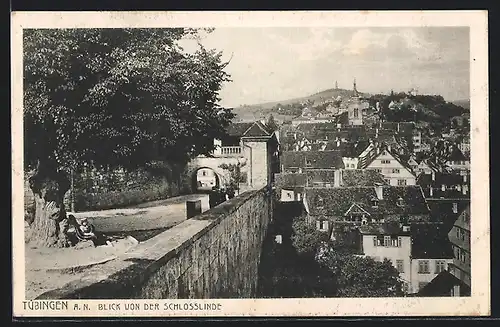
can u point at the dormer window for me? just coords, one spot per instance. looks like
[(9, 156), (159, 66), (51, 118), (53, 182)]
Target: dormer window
[(400, 202), (320, 202), (374, 202), (455, 207)]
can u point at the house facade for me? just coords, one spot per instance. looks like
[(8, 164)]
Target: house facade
[(418, 256), (389, 242), (460, 238), (395, 171)]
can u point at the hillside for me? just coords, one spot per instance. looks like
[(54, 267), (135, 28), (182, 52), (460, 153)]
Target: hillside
[(259, 111), (462, 103)]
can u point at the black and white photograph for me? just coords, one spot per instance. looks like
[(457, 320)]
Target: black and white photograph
[(213, 161)]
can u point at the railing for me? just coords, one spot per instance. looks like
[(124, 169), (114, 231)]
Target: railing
[(230, 150)]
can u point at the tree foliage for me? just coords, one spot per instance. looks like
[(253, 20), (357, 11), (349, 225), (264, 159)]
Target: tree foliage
[(362, 277), (113, 97), (306, 238), (118, 96)]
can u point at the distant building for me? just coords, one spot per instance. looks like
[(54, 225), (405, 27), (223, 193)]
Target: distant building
[(445, 185), (456, 160), (395, 170)]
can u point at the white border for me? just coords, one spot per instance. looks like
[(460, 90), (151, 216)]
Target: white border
[(477, 304)]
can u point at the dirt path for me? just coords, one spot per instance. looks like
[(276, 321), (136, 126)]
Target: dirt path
[(146, 216), (51, 268)]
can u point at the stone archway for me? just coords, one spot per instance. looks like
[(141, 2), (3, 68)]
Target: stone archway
[(203, 179)]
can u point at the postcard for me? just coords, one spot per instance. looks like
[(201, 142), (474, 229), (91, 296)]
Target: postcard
[(250, 163)]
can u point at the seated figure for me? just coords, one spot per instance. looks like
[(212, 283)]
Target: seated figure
[(85, 231)]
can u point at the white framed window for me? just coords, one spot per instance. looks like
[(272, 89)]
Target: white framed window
[(440, 266), (385, 161), (401, 182), (423, 266), (395, 171), (387, 240)]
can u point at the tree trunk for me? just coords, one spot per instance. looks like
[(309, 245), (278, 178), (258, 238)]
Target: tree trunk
[(50, 225)]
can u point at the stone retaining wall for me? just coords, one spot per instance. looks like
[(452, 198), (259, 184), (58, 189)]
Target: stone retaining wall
[(213, 255)]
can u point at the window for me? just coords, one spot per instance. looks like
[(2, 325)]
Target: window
[(387, 240), (455, 207), (204, 173), (440, 266), (395, 171), (394, 242), (375, 243), (323, 225), (400, 266), (289, 195), (399, 241), (374, 203), (356, 112), (463, 256), (320, 203), (387, 180), (401, 182), (386, 161), (423, 266)]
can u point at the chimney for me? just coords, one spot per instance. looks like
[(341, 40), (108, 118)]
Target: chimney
[(398, 127), (430, 191), (379, 189), (433, 174), (337, 178)]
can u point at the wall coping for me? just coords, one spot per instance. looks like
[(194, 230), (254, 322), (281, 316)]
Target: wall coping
[(129, 270)]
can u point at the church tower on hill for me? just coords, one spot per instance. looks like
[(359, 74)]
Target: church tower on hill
[(356, 93), (336, 85)]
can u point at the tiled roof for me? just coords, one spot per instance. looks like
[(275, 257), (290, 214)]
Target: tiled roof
[(248, 129), (354, 149), (442, 285), (336, 201), (238, 129), (456, 155), (292, 159), (312, 159), (442, 210), (257, 129), (284, 180), (320, 176), (324, 159), (383, 229), (430, 241), (361, 177)]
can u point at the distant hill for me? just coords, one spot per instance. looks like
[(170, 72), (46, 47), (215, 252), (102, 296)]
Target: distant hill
[(462, 103), (262, 110)]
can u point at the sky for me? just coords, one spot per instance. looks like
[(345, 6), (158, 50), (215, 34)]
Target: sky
[(279, 63)]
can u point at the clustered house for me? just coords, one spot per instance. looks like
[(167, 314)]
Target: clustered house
[(386, 188), (251, 147), (418, 259)]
